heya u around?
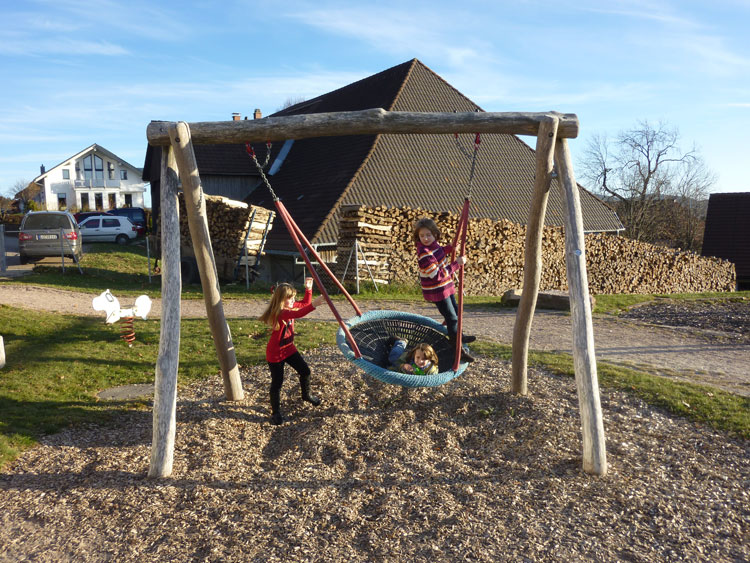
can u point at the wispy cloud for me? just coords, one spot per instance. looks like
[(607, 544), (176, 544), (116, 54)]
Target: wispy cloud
[(398, 31), (70, 27), (63, 46)]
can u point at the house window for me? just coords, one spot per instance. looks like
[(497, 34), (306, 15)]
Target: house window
[(112, 201), (123, 174), (98, 168), (88, 169), (85, 202), (98, 202), (110, 171), (66, 174), (128, 200), (62, 202)]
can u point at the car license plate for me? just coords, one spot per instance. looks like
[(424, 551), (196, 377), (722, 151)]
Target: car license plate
[(47, 237)]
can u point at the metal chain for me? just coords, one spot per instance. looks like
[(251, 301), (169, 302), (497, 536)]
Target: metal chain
[(251, 152), (472, 156)]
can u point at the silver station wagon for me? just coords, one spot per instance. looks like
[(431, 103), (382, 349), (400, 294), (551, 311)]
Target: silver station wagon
[(108, 228), (48, 233)]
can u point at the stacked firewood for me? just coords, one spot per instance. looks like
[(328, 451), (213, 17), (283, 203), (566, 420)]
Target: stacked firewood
[(228, 225), (372, 229), (495, 252)]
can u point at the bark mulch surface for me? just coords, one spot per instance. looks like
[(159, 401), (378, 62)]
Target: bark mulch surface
[(465, 471)]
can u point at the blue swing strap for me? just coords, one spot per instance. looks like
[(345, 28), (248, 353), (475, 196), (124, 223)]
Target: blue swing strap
[(371, 331)]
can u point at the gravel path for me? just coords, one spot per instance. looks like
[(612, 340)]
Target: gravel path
[(704, 355)]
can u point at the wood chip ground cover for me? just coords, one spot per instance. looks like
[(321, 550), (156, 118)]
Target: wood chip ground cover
[(464, 471)]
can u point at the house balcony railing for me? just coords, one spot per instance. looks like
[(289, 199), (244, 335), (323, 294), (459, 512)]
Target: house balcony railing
[(95, 183)]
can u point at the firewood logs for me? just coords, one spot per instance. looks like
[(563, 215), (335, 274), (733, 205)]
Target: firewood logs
[(228, 224), (495, 256)]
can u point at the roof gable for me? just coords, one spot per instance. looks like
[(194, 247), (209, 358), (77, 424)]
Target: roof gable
[(427, 171), (91, 149)]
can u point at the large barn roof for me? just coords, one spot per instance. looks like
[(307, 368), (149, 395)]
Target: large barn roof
[(318, 175)]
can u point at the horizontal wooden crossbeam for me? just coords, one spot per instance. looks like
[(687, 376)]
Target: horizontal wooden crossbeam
[(365, 122)]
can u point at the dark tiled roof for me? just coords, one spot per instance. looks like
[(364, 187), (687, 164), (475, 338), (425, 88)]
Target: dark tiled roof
[(426, 171), (316, 172), (227, 160), (727, 233)]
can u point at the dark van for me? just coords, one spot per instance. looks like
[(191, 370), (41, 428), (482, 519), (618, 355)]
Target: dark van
[(136, 215)]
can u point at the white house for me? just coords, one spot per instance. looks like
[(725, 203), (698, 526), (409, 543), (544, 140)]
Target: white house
[(93, 179)]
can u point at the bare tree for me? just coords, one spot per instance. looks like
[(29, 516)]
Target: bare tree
[(641, 169), (291, 101), (690, 187), (26, 192)]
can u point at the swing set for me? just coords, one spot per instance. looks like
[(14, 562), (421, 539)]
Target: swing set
[(362, 338)]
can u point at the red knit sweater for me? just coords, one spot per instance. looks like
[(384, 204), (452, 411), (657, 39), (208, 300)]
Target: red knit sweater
[(436, 271), (281, 344)]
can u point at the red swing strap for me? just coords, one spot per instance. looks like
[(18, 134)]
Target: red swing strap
[(299, 238), (459, 241)]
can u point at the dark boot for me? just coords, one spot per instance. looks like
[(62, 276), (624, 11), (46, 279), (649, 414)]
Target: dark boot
[(467, 338), (465, 355), (276, 417), (304, 383)]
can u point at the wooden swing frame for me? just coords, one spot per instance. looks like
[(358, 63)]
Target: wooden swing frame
[(178, 163)]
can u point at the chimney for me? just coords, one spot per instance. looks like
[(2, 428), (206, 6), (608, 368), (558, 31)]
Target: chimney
[(235, 116), (257, 114), (41, 168)]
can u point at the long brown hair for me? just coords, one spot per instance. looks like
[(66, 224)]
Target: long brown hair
[(282, 292), (427, 350), (425, 223)]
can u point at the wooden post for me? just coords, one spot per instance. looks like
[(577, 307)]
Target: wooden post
[(532, 270), (179, 133), (165, 384), (584, 358)]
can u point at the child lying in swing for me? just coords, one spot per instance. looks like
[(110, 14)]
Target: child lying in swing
[(419, 360)]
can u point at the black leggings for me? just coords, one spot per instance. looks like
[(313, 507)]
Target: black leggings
[(277, 378)]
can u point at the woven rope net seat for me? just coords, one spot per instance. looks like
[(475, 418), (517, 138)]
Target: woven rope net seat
[(371, 331)]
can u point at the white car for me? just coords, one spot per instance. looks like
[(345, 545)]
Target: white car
[(107, 228)]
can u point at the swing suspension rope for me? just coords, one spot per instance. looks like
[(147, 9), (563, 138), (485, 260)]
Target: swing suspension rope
[(459, 239), (372, 326), (299, 238)]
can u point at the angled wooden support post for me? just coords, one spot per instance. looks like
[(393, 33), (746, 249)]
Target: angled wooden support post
[(195, 203), (532, 270), (584, 359), (167, 363)]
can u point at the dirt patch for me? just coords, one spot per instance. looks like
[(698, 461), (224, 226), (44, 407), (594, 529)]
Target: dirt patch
[(464, 471), (727, 319)]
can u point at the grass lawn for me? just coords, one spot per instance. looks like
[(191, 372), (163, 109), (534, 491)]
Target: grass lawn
[(56, 364)]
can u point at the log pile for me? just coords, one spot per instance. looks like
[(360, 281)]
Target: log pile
[(228, 225), (495, 252)]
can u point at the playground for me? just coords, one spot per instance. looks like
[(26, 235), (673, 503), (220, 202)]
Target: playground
[(462, 471), (489, 467)]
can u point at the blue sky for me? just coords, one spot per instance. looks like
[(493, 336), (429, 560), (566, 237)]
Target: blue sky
[(77, 72)]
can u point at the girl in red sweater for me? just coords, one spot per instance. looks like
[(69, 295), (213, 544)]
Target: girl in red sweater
[(280, 315), (436, 276)]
